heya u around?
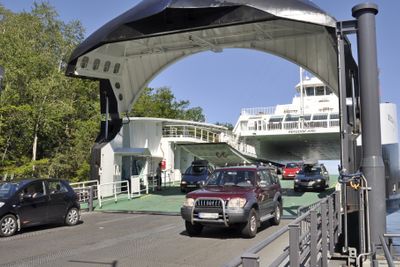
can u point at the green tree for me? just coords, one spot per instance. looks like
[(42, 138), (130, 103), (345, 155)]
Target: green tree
[(161, 103), (225, 124), (47, 122)]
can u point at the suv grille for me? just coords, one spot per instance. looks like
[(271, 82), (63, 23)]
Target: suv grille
[(208, 203)]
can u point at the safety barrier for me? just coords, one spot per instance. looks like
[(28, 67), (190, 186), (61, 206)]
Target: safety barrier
[(111, 191), (84, 189), (312, 237), (190, 131), (388, 249)]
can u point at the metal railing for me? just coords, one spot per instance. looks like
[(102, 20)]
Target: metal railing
[(83, 191), (258, 111), (312, 237), (190, 131), (111, 191), (388, 248)]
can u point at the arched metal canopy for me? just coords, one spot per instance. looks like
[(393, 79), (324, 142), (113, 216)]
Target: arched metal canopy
[(129, 51)]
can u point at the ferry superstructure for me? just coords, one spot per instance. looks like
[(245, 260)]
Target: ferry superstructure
[(308, 128)]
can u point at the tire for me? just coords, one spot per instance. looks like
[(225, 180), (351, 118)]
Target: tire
[(72, 217), (277, 214), (193, 229), (8, 225), (249, 230)]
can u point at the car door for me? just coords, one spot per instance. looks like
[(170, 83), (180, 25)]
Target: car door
[(264, 193), (58, 200), (270, 189), (33, 203)]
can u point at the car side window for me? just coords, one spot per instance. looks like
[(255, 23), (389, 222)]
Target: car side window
[(274, 177), (265, 178), (34, 190), (56, 187)]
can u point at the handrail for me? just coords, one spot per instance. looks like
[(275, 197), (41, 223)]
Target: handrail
[(305, 243), (83, 188), (387, 253), (114, 191)]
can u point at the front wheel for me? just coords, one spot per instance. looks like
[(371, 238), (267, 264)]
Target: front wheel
[(72, 216), (193, 229), (277, 214), (8, 225), (249, 230)]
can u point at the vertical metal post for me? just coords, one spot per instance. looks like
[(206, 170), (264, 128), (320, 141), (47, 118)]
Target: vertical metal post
[(324, 237), (250, 260), (294, 251), (314, 237), (90, 204), (338, 216), (344, 131), (372, 162), (331, 225), (107, 114)]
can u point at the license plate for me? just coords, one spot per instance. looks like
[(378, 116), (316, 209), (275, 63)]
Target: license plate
[(191, 185), (206, 215)]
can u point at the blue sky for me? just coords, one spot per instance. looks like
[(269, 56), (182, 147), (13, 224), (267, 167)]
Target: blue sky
[(223, 83)]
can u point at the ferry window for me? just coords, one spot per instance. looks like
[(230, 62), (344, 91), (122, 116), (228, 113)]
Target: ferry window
[(319, 90), (307, 117), (275, 119), (260, 125), (310, 91), (328, 91), (96, 64), (334, 116), (292, 118), (320, 117), (107, 66), (116, 68), (84, 62)]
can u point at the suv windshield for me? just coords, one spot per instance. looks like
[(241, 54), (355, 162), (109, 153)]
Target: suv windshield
[(196, 170), (310, 170), (7, 190), (243, 178)]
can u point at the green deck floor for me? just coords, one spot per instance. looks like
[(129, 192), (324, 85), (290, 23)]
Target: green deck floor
[(170, 199)]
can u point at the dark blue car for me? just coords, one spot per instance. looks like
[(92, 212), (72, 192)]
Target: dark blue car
[(36, 202), (195, 176)]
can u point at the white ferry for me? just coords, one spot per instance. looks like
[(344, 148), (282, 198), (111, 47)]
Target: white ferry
[(309, 129)]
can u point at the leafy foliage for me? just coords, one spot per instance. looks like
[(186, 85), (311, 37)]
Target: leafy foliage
[(40, 109), (161, 103), (48, 122)]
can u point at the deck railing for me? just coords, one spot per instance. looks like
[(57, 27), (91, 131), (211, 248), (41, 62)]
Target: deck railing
[(258, 111), (191, 131), (312, 237), (275, 127), (388, 249)]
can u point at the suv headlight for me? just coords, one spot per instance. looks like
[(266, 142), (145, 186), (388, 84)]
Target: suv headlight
[(188, 202), (236, 203), (183, 182), (1, 204)]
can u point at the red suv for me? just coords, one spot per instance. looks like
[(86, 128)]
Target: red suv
[(291, 170), (243, 196)]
